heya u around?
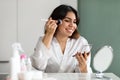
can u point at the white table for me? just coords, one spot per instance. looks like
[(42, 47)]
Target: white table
[(78, 76), (70, 76)]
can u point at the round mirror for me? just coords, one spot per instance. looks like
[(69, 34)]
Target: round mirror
[(103, 59)]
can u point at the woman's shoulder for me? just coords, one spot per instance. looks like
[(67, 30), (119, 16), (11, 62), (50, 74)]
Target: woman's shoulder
[(82, 39)]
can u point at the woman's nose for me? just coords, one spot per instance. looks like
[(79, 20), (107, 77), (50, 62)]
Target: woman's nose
[(71, 23)]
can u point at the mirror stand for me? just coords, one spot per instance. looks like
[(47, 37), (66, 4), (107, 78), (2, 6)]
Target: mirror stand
[(100, 75)]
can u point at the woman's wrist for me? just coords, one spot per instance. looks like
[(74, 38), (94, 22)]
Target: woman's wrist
[(83, 69), (47, 40)]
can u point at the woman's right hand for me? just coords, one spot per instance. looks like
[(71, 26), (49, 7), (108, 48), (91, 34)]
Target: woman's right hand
[(50, 27)]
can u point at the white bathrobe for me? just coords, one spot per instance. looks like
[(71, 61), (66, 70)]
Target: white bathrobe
[(53, 60)]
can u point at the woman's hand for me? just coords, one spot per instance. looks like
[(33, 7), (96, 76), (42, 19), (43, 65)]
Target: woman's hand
[(50, 28), (82, 58)]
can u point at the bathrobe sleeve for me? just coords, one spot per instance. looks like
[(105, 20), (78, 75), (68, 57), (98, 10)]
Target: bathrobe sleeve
[(41, 55)]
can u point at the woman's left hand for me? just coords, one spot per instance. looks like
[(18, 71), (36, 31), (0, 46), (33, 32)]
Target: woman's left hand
[(82, 58)]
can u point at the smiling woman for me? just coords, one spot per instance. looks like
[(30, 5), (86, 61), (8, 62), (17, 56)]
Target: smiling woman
[(55, 49), (20, 22)]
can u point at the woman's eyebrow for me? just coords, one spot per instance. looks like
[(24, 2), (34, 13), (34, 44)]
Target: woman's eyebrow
[(69, 18)]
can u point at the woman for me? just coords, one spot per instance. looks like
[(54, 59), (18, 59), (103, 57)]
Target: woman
[(59, 50)]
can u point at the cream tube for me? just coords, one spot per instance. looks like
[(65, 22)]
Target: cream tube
[(59, 21)]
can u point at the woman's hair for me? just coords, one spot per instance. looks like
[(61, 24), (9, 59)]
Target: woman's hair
[(61, 11)]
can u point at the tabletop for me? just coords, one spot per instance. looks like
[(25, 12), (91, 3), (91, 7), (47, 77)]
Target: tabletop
[(71, 76), (78, 76)]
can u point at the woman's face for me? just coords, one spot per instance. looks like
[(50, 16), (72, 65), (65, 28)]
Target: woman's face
[(68, 25)]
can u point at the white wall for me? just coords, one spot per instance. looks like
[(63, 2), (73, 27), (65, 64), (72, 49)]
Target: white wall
[(70, 2), (7, 31), (20, 21), (30, 27), (7, 27)]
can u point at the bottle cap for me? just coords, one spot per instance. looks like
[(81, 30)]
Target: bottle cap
[(22, 56)]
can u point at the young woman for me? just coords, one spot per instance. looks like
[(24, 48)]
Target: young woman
[(60, 49)]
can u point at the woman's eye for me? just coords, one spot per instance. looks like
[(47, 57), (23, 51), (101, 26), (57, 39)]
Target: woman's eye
[(75, 22), (67, 20)]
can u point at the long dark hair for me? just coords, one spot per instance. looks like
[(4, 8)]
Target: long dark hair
[(61, 11)]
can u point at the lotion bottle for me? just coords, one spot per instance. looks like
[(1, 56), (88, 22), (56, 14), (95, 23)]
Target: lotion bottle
[(15, 62)]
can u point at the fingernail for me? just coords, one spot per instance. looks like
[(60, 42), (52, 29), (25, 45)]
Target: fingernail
[(73, 56)]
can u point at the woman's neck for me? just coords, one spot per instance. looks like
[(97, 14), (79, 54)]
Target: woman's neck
[(62, 41), (61, 38)]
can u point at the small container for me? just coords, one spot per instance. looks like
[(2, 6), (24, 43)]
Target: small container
[(29, 65), (23, 62)]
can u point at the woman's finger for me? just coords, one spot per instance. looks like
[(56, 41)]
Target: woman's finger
[(79, 59), (85, 56), (88, 53)]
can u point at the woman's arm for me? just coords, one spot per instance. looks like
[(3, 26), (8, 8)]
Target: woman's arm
[(41, 55), (49, 32), (42, 51)]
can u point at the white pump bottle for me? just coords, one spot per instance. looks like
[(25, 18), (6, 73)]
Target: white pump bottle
[(15, 61)]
